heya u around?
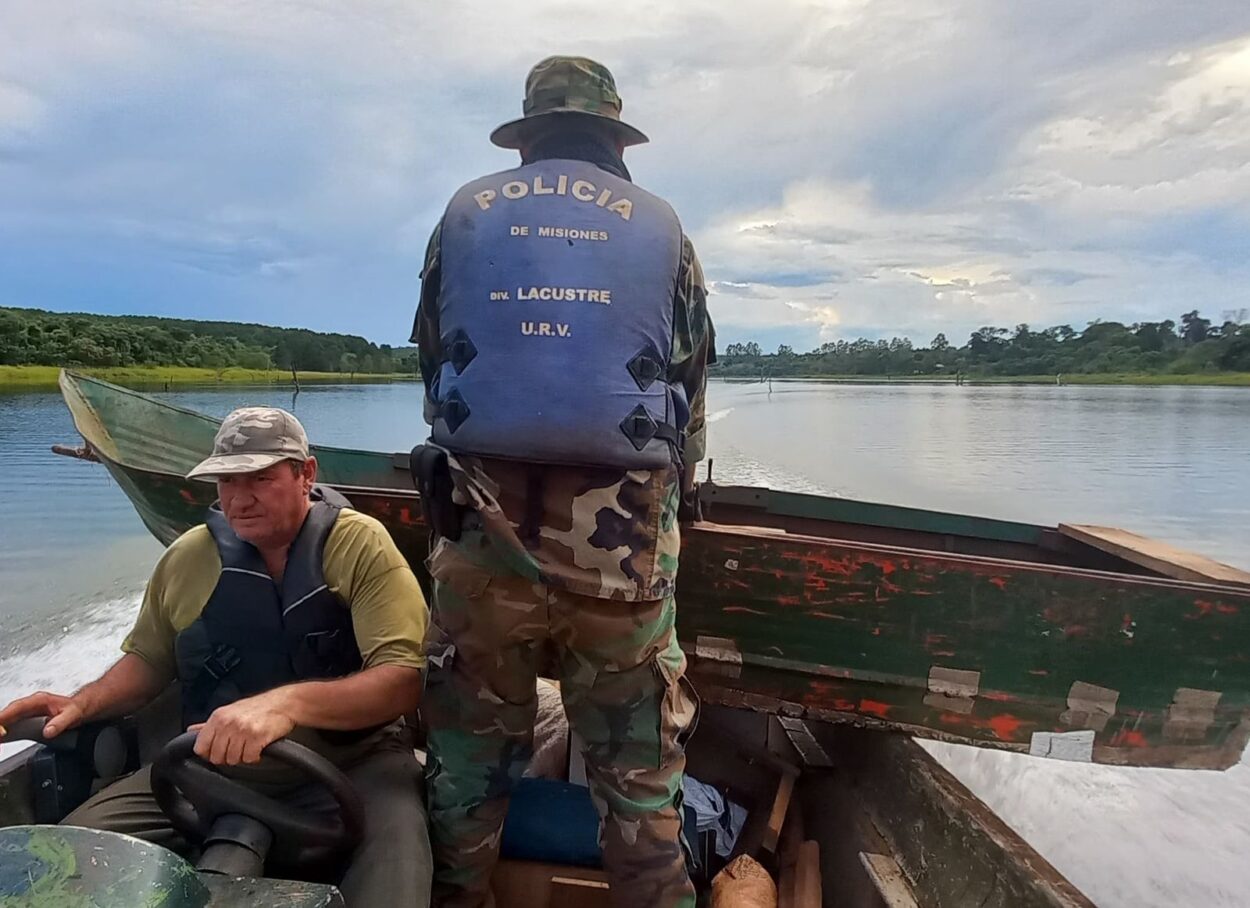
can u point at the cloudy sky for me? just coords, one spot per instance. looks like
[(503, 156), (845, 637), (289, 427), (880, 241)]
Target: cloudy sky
[(845, 168)]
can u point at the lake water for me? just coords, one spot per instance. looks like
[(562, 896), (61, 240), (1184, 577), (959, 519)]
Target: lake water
[(1173, 463)]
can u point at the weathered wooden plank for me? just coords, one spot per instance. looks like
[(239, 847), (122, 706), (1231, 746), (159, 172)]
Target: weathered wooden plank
[(777, 815), (846, 631), (801, 739), (785, 887), (534, 884), (1157, 556), (834, 816), (952, 848), (788, 850), (808, 887), (570, 892), (889, 880)]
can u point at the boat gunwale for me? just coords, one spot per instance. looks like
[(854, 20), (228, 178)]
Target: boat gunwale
[(764, 534), (78, 378), (1009, 531), (767, 534)]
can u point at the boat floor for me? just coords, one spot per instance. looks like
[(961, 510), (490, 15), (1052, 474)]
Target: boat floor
[(890, 826)]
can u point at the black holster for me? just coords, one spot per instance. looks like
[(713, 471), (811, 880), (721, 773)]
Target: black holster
[(432, 477)]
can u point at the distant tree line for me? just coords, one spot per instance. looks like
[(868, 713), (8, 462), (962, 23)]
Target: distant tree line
[(36, 337), (1194, 345)]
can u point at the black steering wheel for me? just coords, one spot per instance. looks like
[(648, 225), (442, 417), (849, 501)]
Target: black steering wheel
[(195, 795)]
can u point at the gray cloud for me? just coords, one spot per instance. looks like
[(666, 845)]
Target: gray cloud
[(906, 166)]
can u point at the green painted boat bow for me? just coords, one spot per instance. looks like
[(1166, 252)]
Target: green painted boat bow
[(944, 626)]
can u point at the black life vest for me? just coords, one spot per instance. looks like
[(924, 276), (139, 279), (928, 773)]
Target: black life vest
[(254, 635)]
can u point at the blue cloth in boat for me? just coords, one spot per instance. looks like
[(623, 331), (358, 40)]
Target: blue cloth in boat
[(552, 821)]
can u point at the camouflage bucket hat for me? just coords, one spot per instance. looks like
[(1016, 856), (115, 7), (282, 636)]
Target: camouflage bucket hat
[(568, 88), (250, 439)]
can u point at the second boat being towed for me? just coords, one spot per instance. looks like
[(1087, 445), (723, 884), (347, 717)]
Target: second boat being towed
[(1081, 643)]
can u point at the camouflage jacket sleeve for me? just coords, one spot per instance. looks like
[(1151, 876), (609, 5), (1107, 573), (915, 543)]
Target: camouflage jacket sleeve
[(694, 348), (425, 332)]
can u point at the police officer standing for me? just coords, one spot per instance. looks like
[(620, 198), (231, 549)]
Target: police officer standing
[(564, 342)]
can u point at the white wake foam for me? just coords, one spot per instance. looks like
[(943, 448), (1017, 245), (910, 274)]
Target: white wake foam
[(75, 653), (1163, 838)]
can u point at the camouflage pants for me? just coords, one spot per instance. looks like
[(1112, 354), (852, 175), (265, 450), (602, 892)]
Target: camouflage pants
[(621, 676)]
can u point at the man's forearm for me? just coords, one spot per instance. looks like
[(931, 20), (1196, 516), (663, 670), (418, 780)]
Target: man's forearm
[(130, 684), (371, 697)]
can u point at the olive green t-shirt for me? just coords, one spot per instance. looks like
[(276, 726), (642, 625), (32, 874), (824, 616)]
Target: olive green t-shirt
[(362, 566)]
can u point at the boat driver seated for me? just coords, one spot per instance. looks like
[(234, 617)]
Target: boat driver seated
[(288, 615)]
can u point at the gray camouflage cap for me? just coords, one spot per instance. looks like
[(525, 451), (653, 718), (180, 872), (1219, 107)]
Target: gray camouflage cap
[(250, 439)]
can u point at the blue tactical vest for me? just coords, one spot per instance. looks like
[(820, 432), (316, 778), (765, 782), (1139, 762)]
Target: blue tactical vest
[(556, 320), (252, 635)]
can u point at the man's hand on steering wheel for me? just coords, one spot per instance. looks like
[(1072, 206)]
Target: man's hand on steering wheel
[(195, 797), (238, 732)]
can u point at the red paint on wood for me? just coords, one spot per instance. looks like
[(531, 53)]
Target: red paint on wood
[(1129, 738), (826, 564), (1203, 608), (1000, 582), (874, 708), (1004, 726)]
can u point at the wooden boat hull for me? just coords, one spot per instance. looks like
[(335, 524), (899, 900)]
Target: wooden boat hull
[(983, 632)]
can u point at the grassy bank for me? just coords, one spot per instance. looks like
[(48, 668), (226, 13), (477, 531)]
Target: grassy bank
[(1240, 379), (1124, 378), (14, 377)]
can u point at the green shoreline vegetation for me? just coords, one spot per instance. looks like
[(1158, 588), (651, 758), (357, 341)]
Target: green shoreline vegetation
[(160, 376), (150, 352), (1228, 379), (155, 352), (1193, 351), (140, 377)]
